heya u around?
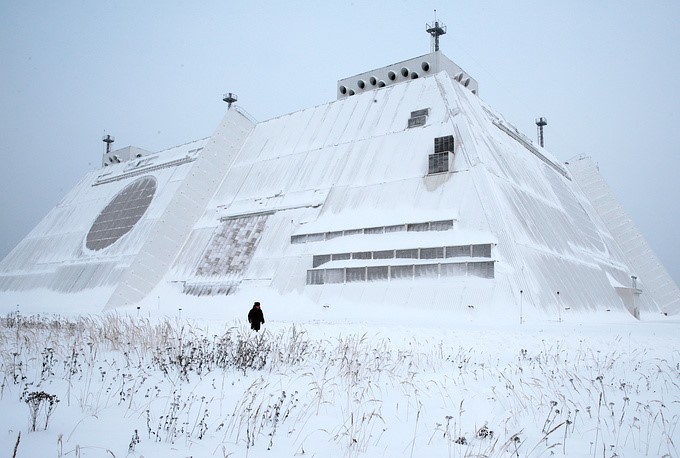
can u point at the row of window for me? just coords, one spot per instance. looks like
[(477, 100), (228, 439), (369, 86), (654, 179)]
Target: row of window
[(444, 225), (473, 251), (483, 269)]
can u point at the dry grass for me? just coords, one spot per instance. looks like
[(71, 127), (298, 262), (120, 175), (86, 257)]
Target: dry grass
[(177, 383)]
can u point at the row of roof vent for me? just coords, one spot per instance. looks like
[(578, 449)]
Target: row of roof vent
[(403, 74), (404, 71)]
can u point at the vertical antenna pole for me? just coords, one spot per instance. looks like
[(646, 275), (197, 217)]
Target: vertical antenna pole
[(435, 30), (540, 123), (229, 98), (108, 139)]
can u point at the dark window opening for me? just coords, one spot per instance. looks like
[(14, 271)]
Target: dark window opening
[(438, 163), (442, 144)]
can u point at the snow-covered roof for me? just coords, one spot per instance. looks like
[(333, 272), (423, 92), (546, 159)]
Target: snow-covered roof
[(422, 164)]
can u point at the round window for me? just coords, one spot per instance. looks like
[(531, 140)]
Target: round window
[(121, 214)]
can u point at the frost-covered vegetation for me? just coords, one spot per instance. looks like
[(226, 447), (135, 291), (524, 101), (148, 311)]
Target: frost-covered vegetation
[(120, 386)]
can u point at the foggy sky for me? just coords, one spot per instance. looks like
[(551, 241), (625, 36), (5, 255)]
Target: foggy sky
[(152, 74)]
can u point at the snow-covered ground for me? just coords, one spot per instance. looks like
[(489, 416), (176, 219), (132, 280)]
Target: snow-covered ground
[(337, 380)]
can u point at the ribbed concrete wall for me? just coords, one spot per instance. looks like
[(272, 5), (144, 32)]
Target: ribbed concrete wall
[(652, 275)]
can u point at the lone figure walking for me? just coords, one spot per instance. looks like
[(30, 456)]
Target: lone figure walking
[(255, 317)]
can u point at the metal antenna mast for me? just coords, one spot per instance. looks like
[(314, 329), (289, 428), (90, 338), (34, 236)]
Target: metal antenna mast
[(108, 139), (541, 122), (229, 98), (436, 30)]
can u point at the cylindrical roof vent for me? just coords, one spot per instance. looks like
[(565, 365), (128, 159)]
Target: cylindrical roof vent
[(361, 84), (405, 72), (425, 66), (392, 76), (342, 89), (381, 83), (414, 75), (351, 92)]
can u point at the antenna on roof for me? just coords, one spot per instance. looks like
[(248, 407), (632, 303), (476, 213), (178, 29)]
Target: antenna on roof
[(108, 139), (229, 98), (540, 122), (436, 30)]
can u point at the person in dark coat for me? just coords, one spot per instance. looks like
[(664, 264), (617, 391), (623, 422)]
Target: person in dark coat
[(255, 317)]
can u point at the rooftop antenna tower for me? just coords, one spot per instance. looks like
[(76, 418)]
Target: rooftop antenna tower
[(108, 139), (540, 122), (229, 98), (436, 30)]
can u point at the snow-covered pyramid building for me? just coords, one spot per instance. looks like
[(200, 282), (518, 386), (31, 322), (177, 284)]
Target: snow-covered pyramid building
[(406, 190)]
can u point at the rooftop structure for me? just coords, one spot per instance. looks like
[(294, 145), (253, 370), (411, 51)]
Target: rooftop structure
[(426, 65)]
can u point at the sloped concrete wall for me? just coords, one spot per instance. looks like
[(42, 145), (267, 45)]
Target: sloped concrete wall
[(184, 210)]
